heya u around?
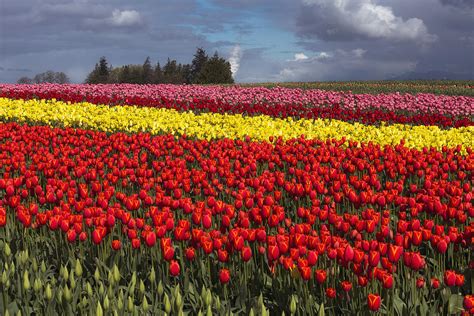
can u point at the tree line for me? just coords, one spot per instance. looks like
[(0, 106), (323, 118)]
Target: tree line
[(46, 77), (202, 70)]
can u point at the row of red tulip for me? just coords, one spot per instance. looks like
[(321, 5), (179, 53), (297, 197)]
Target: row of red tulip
[(445, 111), (303, 205)]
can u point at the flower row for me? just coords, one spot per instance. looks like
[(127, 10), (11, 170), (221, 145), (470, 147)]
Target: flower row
[(420, 109), (214, 125)]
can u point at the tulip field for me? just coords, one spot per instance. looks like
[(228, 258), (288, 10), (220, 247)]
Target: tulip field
[(227, 200)]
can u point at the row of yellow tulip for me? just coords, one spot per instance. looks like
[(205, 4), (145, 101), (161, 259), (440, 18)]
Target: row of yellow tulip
[(215, 125)]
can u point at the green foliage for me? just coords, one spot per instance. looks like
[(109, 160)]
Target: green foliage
[(202, 70), (447, 87), (101, 72), (46, 77), (215, 70)]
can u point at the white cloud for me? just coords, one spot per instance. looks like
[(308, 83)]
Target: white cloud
[(359, 52), (300, 56), (368, 19), (125, 18), (234, 59)]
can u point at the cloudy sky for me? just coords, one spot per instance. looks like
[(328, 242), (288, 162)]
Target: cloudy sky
[(277, 40)]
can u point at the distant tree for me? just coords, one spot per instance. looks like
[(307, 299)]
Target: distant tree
[(61, 77), (46, 77), (101, 72), (158, 74), (124, 76), (172, 72), (197, 64), (25, 80), (216, 70), (147, 71), (186, 71)]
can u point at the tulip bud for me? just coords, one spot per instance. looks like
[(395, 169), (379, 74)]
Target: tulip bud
[(59, 294), (98, 310), (251, 313), (7, 313), (293, 305), (101, 289), (7, 251), (116, 273), (260, 300), (152, 276), (78, 268), (48, 292), (141, 287), (89, 289), (97, 275), (130, 304), (34, 264), (37, 285), (160, 288), (43, 266), (120, 303), (106, 302), (178, 300), (145, 304), (110, 291), (133, 282), (72, 280), (199, 313), (65, 273), (18, 313), (12, 268), (180, 312), (208, 298), (67, 293), (26, 281), (209, 311), (4, 278), (167, 303), (85, 301)]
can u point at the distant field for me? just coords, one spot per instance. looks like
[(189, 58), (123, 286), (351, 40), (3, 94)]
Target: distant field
[(448, 87)]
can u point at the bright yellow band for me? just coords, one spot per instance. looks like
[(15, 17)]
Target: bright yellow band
[(214, 125)]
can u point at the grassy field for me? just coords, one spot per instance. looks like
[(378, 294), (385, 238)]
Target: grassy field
[(448, 87)]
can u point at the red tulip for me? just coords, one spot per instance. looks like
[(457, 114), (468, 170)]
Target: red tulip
[(174, 268), (450, 278), (346, 286), (420, 282), (320, 276), (224, 276), (190, 254), (150, 239), (331, 292), (116, 244), (468, 302), (246, 253), (435, 283), (373, 302), (459, 279)]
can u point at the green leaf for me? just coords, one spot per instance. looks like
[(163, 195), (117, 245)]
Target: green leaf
[(321, 310), (455, 304), (399, 304)]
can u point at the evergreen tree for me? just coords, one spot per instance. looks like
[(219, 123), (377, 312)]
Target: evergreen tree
[(216, 70), (199, 60), (158, 74), (124, 76), (25, 80), (147, 71), (100, 74)]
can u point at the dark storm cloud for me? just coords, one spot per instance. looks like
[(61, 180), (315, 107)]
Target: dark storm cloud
[(459, 3), (334, 40)]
